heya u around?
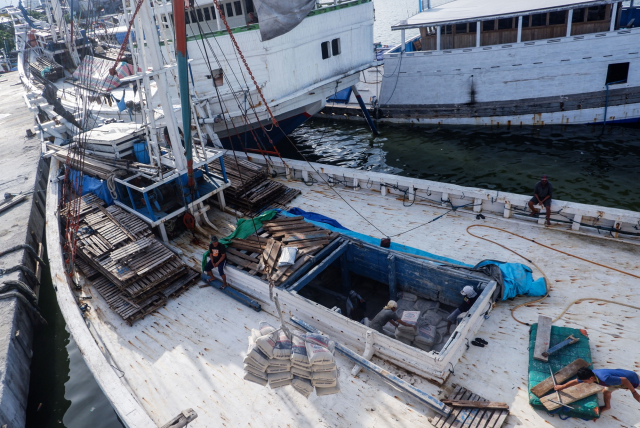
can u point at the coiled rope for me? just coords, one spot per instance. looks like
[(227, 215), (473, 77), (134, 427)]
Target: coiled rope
[(545, 276)]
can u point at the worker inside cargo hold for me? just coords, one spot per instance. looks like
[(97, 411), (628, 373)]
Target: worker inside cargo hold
[(356, 307), (470, 297), (611, 379), (388, 314)]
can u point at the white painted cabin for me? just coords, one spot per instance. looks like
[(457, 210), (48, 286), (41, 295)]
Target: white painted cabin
[(189, 353), (552, 62)]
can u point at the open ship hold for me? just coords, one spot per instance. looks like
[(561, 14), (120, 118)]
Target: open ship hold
[(169, 353)]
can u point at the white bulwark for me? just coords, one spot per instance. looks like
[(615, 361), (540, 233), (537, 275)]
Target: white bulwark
[(547, 62)]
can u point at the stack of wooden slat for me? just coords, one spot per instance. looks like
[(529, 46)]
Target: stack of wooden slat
[(133, 271), (251, 191), (259, 254), (47, 68)]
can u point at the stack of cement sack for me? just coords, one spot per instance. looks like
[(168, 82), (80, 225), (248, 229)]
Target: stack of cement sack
[(432, 329), (406, 334), (306, 362)]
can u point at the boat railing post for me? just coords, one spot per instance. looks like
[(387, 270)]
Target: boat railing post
[(614, 11), (429, 4), (569, 19), (519, 30), (438, 29), (420, 5), (478, 25), (402, 42)]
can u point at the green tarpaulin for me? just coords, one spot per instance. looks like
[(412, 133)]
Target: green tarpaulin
[(246, 227)]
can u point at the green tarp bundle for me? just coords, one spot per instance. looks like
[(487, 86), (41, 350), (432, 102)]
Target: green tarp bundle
[(244, 227), (586, 408)]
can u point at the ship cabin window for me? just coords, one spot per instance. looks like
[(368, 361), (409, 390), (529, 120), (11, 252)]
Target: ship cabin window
[(326, 53), (578, 16), (229, 7), (461, 28), (200, 15), (488, 25), (557, 18), (596, 13), (207, 15), (505, 24), (447, 29), (617, 73), (539, 20), (335, 47)]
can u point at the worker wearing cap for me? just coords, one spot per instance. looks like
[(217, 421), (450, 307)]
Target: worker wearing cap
[(387, 314), (542, 196), (470, 297), (611, 379), (217, 259)]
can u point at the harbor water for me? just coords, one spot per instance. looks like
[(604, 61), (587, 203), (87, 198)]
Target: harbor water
[(585, 164)]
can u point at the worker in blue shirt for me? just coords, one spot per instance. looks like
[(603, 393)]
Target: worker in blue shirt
[(611, 379)]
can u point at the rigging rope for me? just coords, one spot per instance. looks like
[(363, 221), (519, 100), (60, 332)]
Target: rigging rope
[(545, 276)]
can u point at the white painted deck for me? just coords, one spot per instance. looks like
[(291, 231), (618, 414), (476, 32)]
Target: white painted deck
[(189, 353)]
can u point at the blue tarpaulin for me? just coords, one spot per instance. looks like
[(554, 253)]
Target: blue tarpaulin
[(518, 280), (370, 240), (93, 185), (316, 217)]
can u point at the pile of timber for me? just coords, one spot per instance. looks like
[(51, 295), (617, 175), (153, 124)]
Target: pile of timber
[(251, 191), (130, 268), (259, 254), (47, 68), (100, 166)]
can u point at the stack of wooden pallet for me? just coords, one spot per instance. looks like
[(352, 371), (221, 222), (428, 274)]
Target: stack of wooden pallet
[(471, 410), (259, 254), (251, 191), (133, 271), (46, 68)]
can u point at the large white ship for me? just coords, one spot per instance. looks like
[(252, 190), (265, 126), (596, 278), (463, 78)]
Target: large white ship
[(516, 63)]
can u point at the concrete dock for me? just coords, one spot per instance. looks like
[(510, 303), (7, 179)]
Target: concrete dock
[(22, 171)]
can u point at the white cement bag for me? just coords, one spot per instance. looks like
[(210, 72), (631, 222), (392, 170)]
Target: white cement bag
[(424, 305), (260, 358), (253, 371), (254, 379), (280, 363), (282, 350), (301, 392), (277, 369), (323, 367), (299, 351), (303, 386), (421, 346), (404, 340), (409, 317), (297, 371), (323, 383), (251, 364), (277, 377), (255, 334), (405, 295), (265, 328), (427, 335), (266, 343), (319, 349), (287, 256), (405, 305), (434, 316), (280, 384), (320, 391), (324, 375), (300, 365), (443, 332)]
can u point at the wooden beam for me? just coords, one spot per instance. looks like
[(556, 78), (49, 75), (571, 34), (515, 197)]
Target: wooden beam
[(571, 395), (346, 275), (543, 336), (393, 289), (319, 268), (431, 402), (562, 376)]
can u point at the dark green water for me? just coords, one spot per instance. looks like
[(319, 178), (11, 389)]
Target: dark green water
[(584, 165)]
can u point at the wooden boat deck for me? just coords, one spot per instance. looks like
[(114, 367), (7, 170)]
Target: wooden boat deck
[(189, 352)]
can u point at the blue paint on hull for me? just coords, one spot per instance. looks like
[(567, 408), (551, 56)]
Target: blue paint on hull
[(277, 135), (628, 121)]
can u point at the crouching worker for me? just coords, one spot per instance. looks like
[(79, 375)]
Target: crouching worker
[(611, 379), (217, 259), (387, 314), (356, 307), (470, 297)]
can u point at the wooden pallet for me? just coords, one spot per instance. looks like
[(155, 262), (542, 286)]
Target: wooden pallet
[(264, 249), (470, 417)]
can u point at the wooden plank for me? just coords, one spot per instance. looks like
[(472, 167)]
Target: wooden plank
[(285, 219), (502, 416), (571, 394), (562, 376), (301, 236), (466, 414), (308, 244), (242, 255), (242, 262), (273, 254), (290, 227), (481, 418), (543, 336), (454, 413), (476, 404)]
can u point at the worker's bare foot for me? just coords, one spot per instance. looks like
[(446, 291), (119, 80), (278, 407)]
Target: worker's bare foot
[(210, 279), (224, 285), (547, 223), (534, 213), (604, 409)]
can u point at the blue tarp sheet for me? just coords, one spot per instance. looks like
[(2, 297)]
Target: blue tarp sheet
[(93, 185), (316, 217), (373, 241), (518, 280)]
